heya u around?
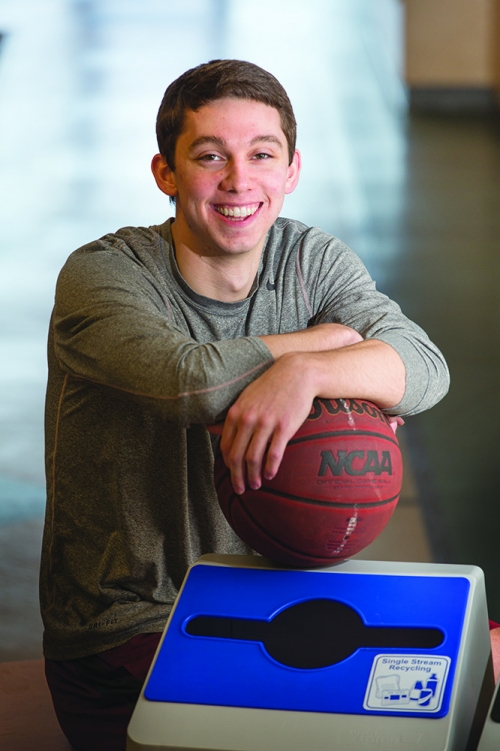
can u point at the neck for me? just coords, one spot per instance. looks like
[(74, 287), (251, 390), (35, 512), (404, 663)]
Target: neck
[(227, 278)]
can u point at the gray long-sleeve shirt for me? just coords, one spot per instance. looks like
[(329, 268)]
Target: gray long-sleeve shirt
[(138, 363)]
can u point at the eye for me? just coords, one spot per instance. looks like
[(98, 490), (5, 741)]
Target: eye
[(262, 155), (210, 158)]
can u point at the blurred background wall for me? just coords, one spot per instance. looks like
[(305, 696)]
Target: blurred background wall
[(397, 106), (451, 53)]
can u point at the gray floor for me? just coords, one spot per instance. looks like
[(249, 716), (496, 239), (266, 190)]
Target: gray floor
[(80, 83)]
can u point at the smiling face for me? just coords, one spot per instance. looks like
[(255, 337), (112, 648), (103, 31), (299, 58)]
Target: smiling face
[(231, 176)]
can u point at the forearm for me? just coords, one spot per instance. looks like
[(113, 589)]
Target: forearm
[(390, 365), (370, 370), (321, 338)]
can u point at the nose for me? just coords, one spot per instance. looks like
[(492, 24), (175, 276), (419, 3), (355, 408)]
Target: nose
[(236, 176)]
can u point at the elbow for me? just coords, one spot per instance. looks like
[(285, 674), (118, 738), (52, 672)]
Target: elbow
[(436, 387)]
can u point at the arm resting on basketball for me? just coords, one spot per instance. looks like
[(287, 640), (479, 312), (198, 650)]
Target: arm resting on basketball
[(271, 409)]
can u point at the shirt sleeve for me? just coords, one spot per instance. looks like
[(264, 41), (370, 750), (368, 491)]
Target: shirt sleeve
[(111, 326), (345, 293)]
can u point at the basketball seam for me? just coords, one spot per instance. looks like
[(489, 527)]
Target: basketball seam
[(333, 434), (311, 501), (329, 504)]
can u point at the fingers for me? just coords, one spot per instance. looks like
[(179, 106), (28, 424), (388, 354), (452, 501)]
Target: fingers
[(254, 457), (395, 422), (243, 445), (275, 455), (253, 444)]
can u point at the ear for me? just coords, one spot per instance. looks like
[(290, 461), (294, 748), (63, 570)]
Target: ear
[(164, 176), (293, 173)]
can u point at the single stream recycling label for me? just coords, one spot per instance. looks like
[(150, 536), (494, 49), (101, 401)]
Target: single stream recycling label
[(407, 683)]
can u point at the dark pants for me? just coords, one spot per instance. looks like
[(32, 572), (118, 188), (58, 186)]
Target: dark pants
[(94, 697)]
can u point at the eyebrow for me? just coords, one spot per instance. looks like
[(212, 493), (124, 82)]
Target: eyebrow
[(221, 142)]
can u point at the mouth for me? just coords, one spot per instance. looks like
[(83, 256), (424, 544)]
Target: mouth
[(237, 213)]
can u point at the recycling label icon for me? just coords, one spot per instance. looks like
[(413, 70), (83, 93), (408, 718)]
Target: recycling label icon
[(410, 683)]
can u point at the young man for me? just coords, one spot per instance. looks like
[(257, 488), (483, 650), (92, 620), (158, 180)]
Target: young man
[(225, 313)]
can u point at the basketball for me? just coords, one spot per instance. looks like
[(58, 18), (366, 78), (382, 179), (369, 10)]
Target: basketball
[(336, 488)]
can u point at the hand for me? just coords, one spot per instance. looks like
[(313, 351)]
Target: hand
[(263, 419), (321, 338)]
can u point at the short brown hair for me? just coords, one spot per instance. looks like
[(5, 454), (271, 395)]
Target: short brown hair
[(219, 79)]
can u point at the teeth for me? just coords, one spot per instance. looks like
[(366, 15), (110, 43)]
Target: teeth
[(237, 211)]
